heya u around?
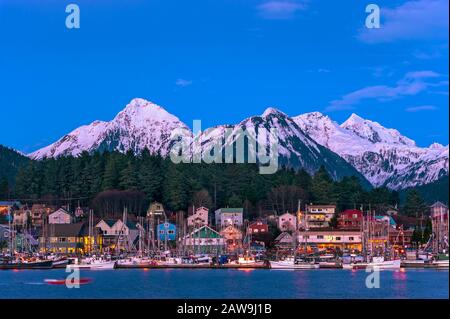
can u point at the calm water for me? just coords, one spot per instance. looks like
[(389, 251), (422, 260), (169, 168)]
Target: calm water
[(206, 283)]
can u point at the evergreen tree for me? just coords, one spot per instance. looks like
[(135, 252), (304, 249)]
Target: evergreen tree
[(414, 204), (322, 187)]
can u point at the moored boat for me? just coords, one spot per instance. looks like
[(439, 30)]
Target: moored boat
[(291, 263), (92, 264)]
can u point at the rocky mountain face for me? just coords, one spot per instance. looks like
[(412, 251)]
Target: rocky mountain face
[(382, 155)]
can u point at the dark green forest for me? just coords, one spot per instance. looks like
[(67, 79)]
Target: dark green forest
[(109, 181)]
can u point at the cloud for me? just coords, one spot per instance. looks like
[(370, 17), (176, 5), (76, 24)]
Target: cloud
[(411, 84), (421, 108), (183, 82), (280, 10), (418, 19)]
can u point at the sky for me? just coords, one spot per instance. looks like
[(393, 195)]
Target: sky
[(221, 61)]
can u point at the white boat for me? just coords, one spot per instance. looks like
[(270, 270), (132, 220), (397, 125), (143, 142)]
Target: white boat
[(290, 263), (378, 263), (92, 264)]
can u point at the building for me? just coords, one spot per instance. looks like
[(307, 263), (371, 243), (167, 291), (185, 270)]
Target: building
[(114, 231), (287, 222), (386, 219), (318, 216), (155, 209), (284, 241), (258, 227), (350, 219), (6, 208), (233, 238), (60, 216), (229, 216), (167, 231), (401, 237), (70, 239), (4, 233), (198, 218), (204, 240), (331, 239), (39, 212), (21, 216), (439, 223)]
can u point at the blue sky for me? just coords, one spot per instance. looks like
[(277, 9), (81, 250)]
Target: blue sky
[(221, 61)]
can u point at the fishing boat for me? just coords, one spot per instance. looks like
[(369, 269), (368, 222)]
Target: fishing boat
[(92, 263), (136, 262), (379, 263), (329, 261), (9, 263)]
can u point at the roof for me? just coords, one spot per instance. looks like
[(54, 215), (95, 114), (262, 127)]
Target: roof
[(204, 232), (230, 210), (438, 204), (66, 230), (391, 220), (351, 212), (10, 203), (326, 206)]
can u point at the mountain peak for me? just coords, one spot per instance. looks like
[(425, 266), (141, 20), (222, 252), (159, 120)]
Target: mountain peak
[(353, 119), (272, 110), (141, 111)]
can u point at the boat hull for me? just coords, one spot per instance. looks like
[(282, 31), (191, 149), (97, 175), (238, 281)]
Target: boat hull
[(47, 264), (93, 266), (283, 265)]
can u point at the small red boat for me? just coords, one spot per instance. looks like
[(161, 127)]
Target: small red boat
[(81, 281)]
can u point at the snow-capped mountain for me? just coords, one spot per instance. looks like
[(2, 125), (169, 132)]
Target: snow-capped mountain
[(140, 125), (382, 155), (295, 148), (357, 147)]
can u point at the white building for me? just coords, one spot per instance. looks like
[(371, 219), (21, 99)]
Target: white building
[(199, 218), (229, 216), (287, 222), (61, 216)]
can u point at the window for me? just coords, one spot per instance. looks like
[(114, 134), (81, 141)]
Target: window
[(319, 236), (170, 232), (338, 238), (351, 238)]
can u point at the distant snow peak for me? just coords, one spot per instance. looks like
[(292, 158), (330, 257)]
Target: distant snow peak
[(272, 111)]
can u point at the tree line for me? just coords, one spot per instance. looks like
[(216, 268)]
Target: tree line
[(111, 180)]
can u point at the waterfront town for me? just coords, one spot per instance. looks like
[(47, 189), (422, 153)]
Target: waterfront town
[(313, 236)]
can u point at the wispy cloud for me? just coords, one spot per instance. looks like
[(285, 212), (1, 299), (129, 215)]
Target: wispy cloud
[(418, 19), (280, 10), (421, 108), (183, 82), (411, 84)]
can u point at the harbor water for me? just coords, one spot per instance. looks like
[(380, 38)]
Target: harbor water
[(231, 283)]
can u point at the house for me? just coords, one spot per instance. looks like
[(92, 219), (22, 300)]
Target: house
[(287, 222), (155, 209), (229, 216), (60, 216), (331, 239), (70, 239), (284, 241), (401, 237), (115, 230), (198, 218), (166, 231), (233, 238), (350, 219), (257, 227), (318, 216), (4, 234), (204, 240), (21, 216), (39, 212)]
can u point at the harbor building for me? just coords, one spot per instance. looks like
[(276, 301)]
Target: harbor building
[(258, 227), (350, 219), (204, 240), (113, 230), (233, 238), (331, 239)]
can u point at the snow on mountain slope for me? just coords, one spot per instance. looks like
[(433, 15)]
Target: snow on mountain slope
[(140, 125), (382, 155), (295, 148)]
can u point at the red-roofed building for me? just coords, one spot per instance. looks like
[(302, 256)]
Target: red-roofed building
[(351, 219), (257, 227)]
